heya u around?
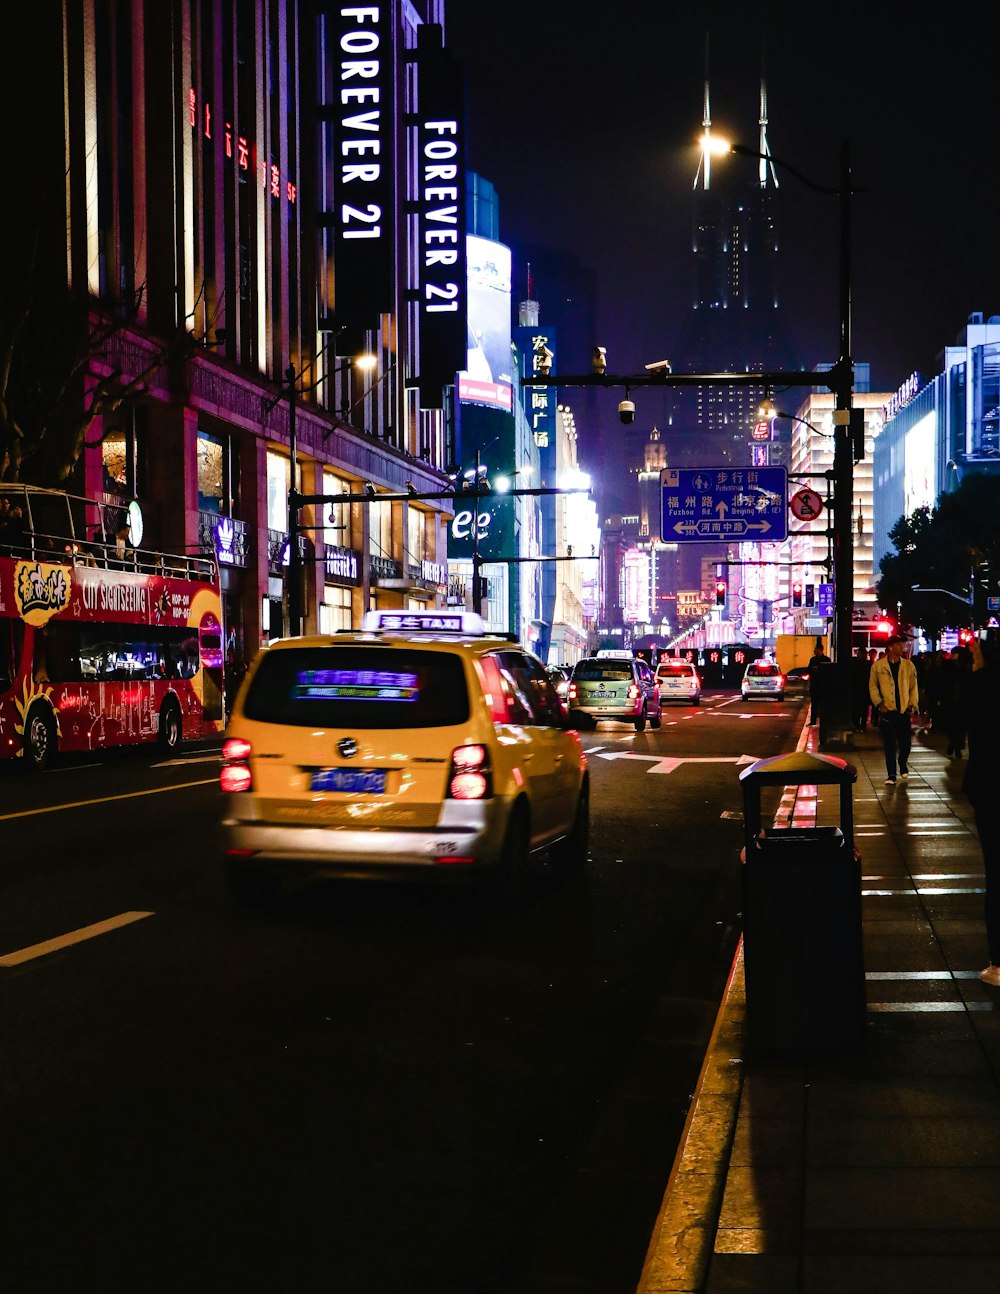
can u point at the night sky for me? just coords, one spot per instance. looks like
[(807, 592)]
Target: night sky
[(588, 129)]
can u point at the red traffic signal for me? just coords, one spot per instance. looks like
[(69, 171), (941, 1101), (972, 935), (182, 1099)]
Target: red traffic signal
[(720, 593), (796, 594)]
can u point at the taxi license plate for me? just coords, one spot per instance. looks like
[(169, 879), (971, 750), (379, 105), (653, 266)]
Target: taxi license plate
[(603, 696), (370, 781)]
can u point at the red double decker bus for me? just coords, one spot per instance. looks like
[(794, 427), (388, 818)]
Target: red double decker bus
[(101, 643)]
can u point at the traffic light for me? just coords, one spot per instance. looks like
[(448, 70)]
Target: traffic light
[(720, 593), (810, 595), (965, 637), (796, 594)]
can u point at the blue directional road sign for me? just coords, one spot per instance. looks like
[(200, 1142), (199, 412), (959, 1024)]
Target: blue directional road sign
[(699, 504)]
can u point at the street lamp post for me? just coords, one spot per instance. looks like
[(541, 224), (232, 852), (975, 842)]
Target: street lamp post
[(840, 722), (843, 472), (478, 482), (294, 586)]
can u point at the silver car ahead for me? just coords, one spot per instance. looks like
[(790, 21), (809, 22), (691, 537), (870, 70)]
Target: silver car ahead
[(613, 687)]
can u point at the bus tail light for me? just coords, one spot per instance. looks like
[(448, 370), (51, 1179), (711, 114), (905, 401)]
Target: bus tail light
[(235, 773), (470, 776)]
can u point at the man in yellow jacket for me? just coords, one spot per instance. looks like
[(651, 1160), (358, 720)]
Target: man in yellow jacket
[(893, 689)]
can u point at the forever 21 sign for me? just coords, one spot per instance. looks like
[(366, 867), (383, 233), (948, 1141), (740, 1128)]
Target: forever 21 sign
[(440, 206), (362, 112)]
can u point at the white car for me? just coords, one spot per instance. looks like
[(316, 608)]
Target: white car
[(679, 681), (763, 678)]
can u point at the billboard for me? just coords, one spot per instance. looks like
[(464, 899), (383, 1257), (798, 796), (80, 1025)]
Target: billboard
[(635, 586), (918, 466), (487, 378)]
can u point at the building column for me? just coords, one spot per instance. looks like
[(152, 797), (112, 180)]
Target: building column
[(172, 469)]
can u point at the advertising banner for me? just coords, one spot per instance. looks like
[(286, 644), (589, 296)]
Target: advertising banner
[(487, 378)]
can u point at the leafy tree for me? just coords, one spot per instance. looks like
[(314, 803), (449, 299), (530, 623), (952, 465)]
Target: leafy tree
[(55, 376)]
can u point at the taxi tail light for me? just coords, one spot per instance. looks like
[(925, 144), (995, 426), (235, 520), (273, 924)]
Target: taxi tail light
[(633, 691), (571, 692), (470, 776), (235, 773)]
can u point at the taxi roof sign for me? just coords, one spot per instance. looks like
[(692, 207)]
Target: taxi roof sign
[(426, 622)]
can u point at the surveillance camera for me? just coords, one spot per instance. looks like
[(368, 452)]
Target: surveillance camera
[(626, 410)]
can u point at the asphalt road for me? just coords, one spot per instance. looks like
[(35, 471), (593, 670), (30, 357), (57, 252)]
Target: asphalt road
[(368, 1088)]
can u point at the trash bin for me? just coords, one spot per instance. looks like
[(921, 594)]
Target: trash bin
[(803, 962)]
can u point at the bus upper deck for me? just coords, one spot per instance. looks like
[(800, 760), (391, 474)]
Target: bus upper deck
[(52, 526)]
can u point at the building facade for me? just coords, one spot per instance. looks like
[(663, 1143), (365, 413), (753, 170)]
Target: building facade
[(937, 431), (234, 202)]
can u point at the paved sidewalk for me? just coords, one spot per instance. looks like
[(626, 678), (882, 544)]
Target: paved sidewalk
[(876, 1169)]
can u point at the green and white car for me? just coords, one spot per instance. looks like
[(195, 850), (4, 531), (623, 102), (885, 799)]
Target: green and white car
[(613, 687)]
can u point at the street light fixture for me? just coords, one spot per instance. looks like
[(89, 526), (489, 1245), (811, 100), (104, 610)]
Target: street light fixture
[(966, 601)]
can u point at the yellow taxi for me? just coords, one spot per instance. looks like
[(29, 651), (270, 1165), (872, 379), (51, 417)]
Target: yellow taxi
[(418, 746)]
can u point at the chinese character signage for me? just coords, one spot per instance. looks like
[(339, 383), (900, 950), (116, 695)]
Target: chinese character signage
[(700, 504)]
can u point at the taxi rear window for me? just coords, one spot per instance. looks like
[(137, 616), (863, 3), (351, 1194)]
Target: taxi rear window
[(357, 687), (765, 670), (599, 672), (674, 671)]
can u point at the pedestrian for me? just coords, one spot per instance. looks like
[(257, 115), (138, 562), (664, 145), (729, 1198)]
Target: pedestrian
[(954, 716), (822, 693), (981, 704), (935, 687), (860, 698), (818, 659), (14, 529), (893, 689)]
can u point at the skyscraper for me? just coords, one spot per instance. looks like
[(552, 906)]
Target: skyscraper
[(736, 323)]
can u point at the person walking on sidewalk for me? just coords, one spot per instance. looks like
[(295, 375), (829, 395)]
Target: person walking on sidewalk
[(817, 660), (893, 690), (980, 702), (860, 700), (954, 719)]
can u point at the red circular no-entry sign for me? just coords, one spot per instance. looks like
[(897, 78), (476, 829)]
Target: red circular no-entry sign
[(805, 504)]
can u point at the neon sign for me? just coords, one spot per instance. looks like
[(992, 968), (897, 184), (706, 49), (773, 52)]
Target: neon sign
[(238, 149)]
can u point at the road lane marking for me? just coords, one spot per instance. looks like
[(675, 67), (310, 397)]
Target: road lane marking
[(74, 937), (107, 799), (668, 763)]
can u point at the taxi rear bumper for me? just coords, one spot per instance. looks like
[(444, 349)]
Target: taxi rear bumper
[(468, 835)]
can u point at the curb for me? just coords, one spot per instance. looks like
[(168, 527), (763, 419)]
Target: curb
[(682, 1242)]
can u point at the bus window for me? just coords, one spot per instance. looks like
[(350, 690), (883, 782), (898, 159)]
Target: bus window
[(61, 650)]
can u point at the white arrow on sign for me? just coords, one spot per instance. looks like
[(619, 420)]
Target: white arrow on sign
[(668, 764)]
